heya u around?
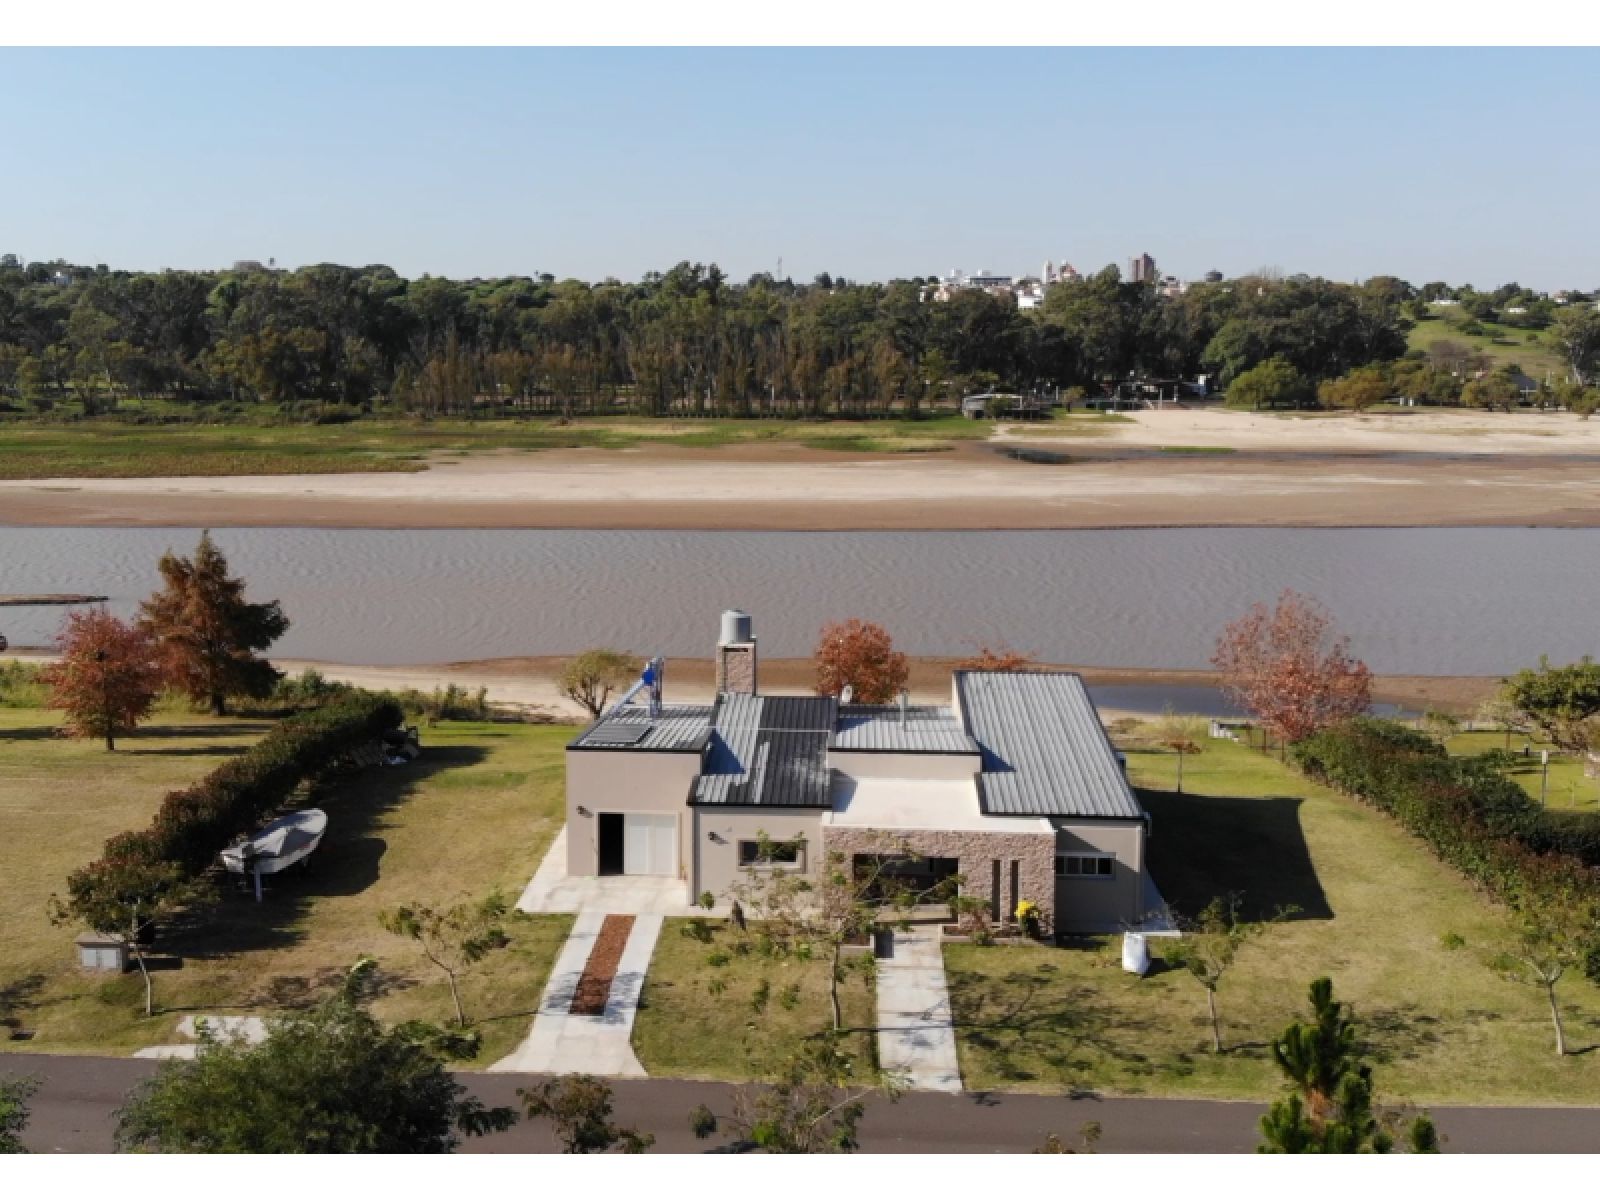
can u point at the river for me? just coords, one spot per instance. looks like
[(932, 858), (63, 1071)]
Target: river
[(1415, 601)]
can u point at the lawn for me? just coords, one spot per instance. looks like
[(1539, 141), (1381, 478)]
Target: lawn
[(696, 1020), (475, 812), (1403, 937), (1568, 786), (1502, 343), (108, 448)]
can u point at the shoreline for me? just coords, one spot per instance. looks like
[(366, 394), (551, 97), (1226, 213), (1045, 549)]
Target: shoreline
[(530, 682), (1153, 469)]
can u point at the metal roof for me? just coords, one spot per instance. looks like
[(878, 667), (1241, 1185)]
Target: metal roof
[(769, 750), (928, 729), (1045, 753), (682, 728)]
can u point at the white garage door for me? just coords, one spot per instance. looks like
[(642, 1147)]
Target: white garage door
[(649, 844)]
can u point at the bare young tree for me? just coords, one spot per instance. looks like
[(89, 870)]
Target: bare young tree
[(842, 904), (1183, 735), (1552, 936), (1211, 944), (589, 679), (454, 938)]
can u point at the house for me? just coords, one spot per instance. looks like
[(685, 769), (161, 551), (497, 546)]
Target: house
[(1013, 786)]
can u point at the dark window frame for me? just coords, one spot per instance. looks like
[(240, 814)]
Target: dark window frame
[(1104, 869)]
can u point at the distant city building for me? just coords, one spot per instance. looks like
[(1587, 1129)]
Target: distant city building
[(1142, 269), (1171, 286), (1213, 276), (248, 264), (61, 278), (1029, 292)]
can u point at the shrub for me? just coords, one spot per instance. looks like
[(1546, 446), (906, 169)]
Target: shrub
[(195, 823), (1470, 816), (22, 685)]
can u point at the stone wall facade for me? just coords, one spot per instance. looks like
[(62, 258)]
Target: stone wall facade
[(1026, 861)]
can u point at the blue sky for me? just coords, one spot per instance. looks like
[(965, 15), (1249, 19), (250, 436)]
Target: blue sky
[(1465, 165)]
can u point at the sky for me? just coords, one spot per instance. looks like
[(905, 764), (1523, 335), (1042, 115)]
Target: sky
[(1470, 166)]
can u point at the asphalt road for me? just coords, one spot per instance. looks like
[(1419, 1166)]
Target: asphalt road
[(73, 1113)]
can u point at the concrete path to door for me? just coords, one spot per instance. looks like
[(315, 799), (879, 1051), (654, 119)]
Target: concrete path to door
[(916, 1039), (552, 890), (561, 1042)]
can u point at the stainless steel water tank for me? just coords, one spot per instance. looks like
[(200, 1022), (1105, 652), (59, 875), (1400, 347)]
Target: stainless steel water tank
[(736, 628)]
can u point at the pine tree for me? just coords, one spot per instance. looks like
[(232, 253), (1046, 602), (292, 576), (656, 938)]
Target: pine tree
[(1330, 1108), (208, 633)]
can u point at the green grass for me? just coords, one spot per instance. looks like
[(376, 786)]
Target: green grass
[(1377, 913), (687, 1029), (1568, 786), (475, 812), (106, 448), (1502, 343)]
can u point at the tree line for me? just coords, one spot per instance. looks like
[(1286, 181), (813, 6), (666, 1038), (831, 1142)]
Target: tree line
[(328, 342)]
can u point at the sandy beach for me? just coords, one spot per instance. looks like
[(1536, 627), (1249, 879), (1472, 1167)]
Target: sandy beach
[(530, 683), (1170, 468)]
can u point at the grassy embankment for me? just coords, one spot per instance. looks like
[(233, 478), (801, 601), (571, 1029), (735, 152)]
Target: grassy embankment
[(1529, 349), (475, 812), (1404, 939), (697, 1018), (107, 448)]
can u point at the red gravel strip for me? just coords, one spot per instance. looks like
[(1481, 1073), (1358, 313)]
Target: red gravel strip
[(595, 984)]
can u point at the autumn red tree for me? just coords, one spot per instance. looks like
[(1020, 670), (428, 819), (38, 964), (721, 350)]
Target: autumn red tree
[(208, 633), (107, 678), (1290, 670), (996, 658), (862, 655)]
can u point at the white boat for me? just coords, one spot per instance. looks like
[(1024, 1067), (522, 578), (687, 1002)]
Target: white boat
[(278, 846)]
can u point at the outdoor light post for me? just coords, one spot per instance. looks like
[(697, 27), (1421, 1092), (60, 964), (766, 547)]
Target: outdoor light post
[(1544, 776)]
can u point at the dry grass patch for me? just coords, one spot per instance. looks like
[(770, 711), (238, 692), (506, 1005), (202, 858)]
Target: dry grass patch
[(475, 812), (698, 1020), (1403, 937)]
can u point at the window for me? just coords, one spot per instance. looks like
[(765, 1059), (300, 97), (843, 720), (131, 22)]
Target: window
[(1085, 866), (770, 854)]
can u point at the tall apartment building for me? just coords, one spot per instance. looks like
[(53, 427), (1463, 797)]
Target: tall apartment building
[(1142, 269)]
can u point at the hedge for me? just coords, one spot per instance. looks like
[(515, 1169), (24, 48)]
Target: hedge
[(1472, 817), (194, 824)]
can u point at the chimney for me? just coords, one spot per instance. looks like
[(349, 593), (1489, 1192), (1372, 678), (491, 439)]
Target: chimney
[(736, 654)]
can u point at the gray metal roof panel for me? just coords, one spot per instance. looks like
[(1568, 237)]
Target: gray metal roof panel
[(769, 750), (928, 729), (1045, 752), (682, 728)]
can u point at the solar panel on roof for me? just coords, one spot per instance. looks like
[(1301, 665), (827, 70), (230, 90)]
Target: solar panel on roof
[(618, 735)]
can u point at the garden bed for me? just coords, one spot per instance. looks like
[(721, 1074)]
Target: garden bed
[(594, 985)]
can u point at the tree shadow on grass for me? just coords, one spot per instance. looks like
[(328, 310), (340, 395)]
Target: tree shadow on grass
[(347, 863), (1399, 1033), (31, 733), (16, 998), (1202, 847), (1032, 1024)]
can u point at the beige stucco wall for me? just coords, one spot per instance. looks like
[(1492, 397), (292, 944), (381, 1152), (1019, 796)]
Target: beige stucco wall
[(624, 781), (1101, 905), (718, 830), (864, 764), (976, 852)]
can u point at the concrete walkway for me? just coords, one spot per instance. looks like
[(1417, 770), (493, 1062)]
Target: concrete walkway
[(562, 1043), (250, 1030), (916, 1040), (552, 890)]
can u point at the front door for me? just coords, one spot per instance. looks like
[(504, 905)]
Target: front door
[(650, 844)]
